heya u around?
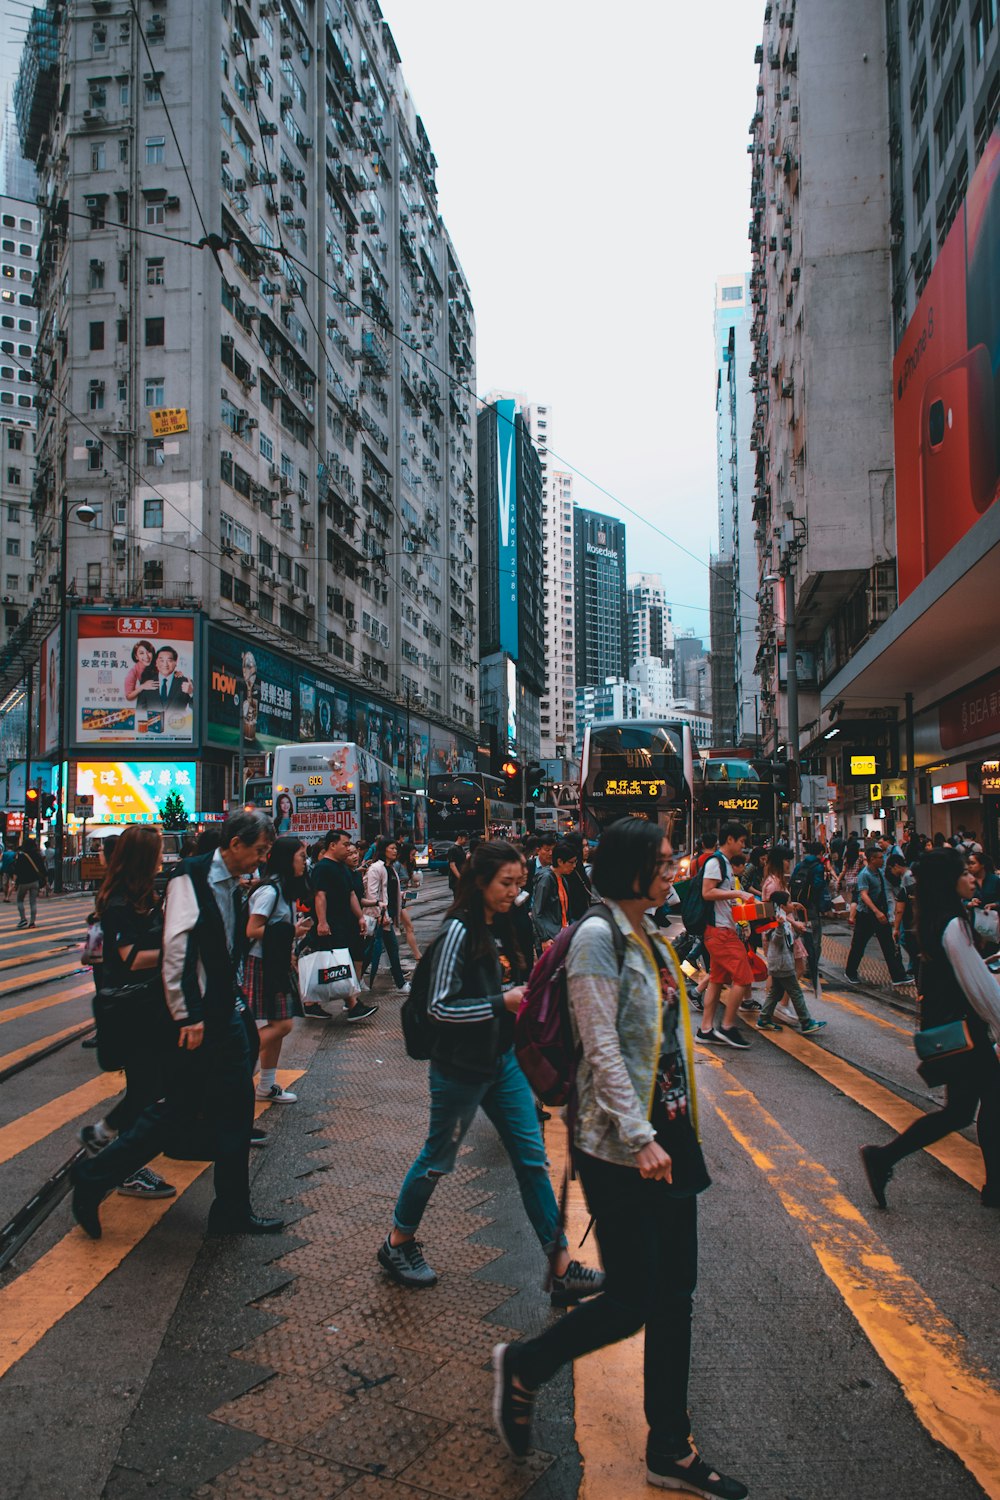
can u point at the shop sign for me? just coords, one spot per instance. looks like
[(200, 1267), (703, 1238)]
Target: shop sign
[(990, 778), (134, 791), (973, 714), (895, 789), (862, 765), (135, 679), (875, 791), (168, 420), (951, 791)]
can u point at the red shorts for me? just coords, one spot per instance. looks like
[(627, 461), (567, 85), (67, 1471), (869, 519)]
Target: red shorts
[(730, 963)]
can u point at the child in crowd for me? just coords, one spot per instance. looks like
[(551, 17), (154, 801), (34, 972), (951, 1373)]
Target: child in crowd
[(782, 978)]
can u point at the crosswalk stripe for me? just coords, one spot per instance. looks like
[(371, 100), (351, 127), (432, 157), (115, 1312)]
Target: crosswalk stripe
[(858, 1010), (950, 1395), (24, 959), (60, 1280), (13, 1058), (31, 1128), (61, 997), (40, 976), (954, 1152)]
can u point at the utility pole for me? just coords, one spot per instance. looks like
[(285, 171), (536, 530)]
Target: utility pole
[(792, 690)]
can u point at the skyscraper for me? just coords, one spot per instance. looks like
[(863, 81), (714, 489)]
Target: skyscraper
[(599, 581), (650, 631)]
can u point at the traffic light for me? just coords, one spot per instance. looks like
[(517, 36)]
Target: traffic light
[(787, 782), (534, 777), (31, 800), (512, 775), (48, 804)]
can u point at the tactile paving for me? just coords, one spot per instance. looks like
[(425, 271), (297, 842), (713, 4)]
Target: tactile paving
[(276, 1470), (469, 1464), (370, 1433), (285, 1407)]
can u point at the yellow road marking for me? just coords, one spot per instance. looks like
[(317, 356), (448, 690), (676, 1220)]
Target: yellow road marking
[(7, 986), (13, 1058), (30, 958), (73, 1268), (859, 1010), (954, 1152), (30, 1007), (31, 1128), (952, 1397)]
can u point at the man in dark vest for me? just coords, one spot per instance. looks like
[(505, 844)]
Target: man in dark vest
[(204, 929)]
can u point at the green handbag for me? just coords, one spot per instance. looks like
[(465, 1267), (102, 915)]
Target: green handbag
[(937, 1046)]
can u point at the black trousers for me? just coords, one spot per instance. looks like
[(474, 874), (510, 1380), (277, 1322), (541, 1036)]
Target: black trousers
[(866, 927), (215, 1081), (145, 1082), (649, 1245), (976, 1082)]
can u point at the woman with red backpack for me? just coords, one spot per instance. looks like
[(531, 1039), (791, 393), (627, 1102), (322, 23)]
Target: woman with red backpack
[(636, 1150)]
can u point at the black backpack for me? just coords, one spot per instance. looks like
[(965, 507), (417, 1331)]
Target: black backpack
[(696, 912), (418, 1027)]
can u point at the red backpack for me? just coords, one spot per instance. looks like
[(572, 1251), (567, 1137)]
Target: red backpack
[(543, 1035)]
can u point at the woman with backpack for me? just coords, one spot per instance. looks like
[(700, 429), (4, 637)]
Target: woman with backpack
[(130, 918), (270, 982), (636, 1150), (29, 874), (475, 971), (955, 986)]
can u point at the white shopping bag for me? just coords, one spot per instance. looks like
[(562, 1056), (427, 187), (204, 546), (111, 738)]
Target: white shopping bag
[(328, 979)]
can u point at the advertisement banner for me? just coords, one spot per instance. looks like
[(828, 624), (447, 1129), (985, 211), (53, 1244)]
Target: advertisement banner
[(168, 419), (971, 715), (946, 378), (134, 679), (135, 791), (252, 690), (506, 412), (48, 694)]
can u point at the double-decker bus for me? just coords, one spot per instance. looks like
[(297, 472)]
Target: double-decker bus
[(638, 768), (319, 787), (730, 788), (470, 802)]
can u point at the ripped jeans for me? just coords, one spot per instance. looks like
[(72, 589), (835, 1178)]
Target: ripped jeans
[(507, 1101)]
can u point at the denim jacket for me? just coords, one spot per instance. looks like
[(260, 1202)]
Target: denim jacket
[(617, 1019)]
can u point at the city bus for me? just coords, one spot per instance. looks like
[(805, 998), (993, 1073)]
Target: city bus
[(470, 802), (638, 768), (316, 788), (729, 788)]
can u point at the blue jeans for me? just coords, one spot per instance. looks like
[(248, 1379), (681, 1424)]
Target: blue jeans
[(385, 938), (508, 1102)]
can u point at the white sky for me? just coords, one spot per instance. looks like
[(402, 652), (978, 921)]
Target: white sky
[(593, 175)]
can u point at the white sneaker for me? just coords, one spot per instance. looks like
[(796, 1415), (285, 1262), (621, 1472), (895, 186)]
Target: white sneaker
[(276, 1095), (405, 990), (786, 1013)]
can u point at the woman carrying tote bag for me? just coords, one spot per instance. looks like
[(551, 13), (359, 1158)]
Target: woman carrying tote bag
[(955, 986), (270, 980)]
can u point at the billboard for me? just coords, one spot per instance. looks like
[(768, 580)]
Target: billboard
[(506, 413), (135, 679), (134, 791), (250, 690), (946, 378)]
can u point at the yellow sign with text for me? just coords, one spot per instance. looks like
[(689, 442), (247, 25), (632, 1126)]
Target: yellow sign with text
[(896, 788), (862, 765), (875, 791), (167, 420)]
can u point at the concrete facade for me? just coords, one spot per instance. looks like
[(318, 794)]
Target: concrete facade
[(823, 500), (322, 344), (650, 627), (18, 338)]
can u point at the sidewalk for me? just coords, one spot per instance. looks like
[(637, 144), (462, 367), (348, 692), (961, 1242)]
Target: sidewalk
[(873, 971)]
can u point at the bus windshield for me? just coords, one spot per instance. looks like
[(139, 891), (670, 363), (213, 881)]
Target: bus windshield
[(638, 769)]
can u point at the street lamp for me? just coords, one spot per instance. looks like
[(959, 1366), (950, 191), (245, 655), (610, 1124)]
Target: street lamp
[(784, 577), (85, 513)]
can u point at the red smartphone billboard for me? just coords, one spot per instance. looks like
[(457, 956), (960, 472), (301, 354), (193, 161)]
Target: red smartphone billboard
[(946, 378)]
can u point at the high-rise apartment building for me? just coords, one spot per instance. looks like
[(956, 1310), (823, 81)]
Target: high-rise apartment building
[(256, 362), (735, 685), (17, 175), (18, 336), (650, 631), (823, 500), (511, 602), (599, 579)]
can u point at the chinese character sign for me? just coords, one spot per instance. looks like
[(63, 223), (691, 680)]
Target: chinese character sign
[(135, 679), (134, 791), (251, 692), (168, 419)]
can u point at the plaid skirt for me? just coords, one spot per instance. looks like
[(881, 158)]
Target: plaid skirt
[(278, 1007)]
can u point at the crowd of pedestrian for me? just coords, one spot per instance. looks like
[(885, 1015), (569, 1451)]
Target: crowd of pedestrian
[(212, 978)]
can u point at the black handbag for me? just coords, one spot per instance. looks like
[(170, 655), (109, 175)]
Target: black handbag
[(124, 1013)]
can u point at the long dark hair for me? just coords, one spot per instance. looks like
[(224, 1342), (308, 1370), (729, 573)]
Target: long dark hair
[(135, 860), (280, 865), (478, 871), (936, 897)]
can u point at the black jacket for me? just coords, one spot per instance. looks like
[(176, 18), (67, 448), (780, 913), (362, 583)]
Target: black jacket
[(546, 907), (466, 999)]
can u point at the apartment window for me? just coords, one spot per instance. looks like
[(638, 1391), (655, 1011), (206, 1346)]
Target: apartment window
[(266, 448), (97, 93), (121, 329), (99, 38), (952, 104), (122, 389), (226, 585), (918, 96), (155, 211), (13, 477), (265, 608), (152, 576), (95, 455), (265, 553), (241, 593), (95, 395), (95, 208), (922, 184), (124, 90), (154, 270), (12, 583), (98, 156), (123, 150), (15, 441), (151, 91), (154, 333), (152, 512), (96, 279), (154, 150), (97, 336), (119, 512), (154, 391), (155, 457), (13, 546)]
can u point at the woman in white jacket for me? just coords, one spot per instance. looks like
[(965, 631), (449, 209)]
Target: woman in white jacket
[(384, 899)]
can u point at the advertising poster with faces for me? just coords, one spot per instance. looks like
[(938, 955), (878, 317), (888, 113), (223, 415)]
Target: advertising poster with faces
[(135, 679)]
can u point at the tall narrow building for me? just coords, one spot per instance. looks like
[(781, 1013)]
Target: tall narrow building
[(18, 337), (599, 580), (256, 363), (650, 630)]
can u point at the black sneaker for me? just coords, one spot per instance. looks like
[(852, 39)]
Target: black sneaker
[(575, 1283), (94, 1138), (709, 1037), (258, 1137), (361, 1012), (695, 1478), (316, 1012), (878, 1174), (146, 1184), (732, 1036), (512, 1407), (405, 1263)]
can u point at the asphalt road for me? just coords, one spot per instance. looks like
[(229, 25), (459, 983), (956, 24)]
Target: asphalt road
[(839, 1351)]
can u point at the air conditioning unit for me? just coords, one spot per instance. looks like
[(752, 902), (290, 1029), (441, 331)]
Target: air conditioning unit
[(274, 473), (266, 576), (240, 185), (352, 625)]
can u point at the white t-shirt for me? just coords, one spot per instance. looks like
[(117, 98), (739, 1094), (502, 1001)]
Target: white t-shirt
[(718, 868), (267, 901)]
